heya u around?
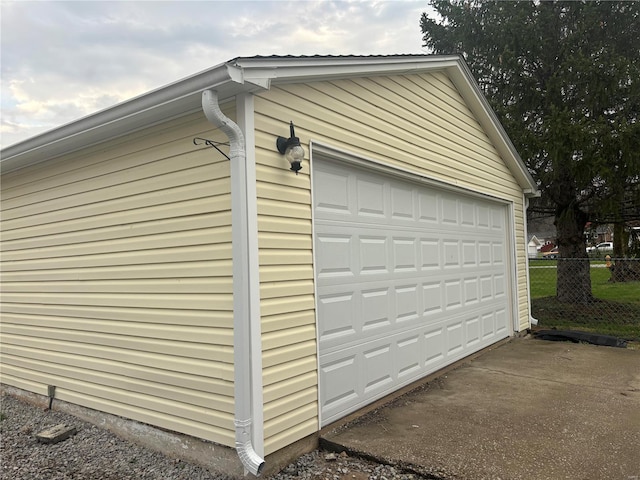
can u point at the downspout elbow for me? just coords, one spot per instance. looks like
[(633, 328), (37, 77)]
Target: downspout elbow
[(212, 111), (248, 456)]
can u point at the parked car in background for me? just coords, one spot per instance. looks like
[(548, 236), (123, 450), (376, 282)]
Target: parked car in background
[(601, 247), (551, 253)]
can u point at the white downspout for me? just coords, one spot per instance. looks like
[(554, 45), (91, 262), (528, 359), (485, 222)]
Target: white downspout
[(242, 334), (532, 320)]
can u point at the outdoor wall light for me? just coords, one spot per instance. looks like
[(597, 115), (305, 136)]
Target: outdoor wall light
[(291, 149)]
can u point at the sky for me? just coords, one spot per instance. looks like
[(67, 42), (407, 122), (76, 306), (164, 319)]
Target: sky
[(61, 61)]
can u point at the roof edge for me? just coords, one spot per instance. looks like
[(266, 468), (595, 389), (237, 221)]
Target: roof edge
[(246, 74), (305, 69), (183, 96), (123, 118), (463, 79)]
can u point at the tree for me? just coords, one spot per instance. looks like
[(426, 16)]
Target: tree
[(564, 80)]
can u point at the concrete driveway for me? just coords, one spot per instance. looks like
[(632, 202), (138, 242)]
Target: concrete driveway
[(529, 409)]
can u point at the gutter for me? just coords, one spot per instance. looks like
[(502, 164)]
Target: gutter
[(245, 317), (160, 105)]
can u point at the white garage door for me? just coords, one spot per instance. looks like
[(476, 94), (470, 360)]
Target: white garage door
[(409, 279)]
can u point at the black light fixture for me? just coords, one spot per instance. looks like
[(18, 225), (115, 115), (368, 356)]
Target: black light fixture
[(291, 149)]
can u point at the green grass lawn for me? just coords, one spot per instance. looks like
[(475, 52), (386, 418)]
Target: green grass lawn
[(615, 310)]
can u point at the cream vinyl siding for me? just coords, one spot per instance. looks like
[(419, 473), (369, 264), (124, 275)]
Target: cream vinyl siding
[(286, 290), (416, 122), (117, 279)]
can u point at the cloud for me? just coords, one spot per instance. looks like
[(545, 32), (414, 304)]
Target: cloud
[(65, 60)]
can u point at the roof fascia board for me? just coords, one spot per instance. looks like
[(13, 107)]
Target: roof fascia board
[(363, 62), (263, 71)]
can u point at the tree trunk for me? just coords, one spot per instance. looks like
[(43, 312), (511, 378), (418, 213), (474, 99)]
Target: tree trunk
[(620, 240), (574, 280)]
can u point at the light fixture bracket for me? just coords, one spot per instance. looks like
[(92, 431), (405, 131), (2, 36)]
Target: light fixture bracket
[(281, 144)]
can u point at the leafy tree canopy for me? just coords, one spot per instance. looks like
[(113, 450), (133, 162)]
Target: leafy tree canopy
[(564, 80)]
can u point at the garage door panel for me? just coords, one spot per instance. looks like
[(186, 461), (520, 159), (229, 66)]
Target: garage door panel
[(449, 210), (409, 350), (376, 312), (467, 213), (348, 382), (432, 298), (340, 316), (501, 322), (472, 333), (486, 288), (345, 250), (406, 303), (484, 252), (340, 383), (497, 219), (377, 371), (469, 253), (497, 250), (333, 199), (452, 294), (405, 256), (355, 194), (371, 201), (470, 290), (403, 203), (334, 253), (499, 286), (455, 337), (354, 313), (366, 374), (373, 254), (427, 208), (434, 347), (409, 278), (429, 253), (342, 330)]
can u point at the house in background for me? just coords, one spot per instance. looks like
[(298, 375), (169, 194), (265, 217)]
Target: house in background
[(599, 233), (533, 246), (543, 228), (216, 296)]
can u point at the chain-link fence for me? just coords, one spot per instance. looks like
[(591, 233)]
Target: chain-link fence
[(591, 295)]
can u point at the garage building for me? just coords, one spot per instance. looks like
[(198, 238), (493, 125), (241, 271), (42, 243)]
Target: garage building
[(216, 294)]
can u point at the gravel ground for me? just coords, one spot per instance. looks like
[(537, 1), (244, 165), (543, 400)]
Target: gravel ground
[(95, 454)]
